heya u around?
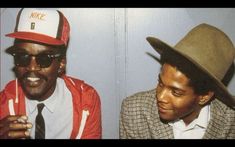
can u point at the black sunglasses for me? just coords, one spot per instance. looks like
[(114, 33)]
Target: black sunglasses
[(43, 60)]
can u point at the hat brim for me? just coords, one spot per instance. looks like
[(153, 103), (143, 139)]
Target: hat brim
[(35, 37), (162, 47)]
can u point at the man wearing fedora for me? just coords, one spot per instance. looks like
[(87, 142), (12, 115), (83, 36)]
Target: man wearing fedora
[(191, 100), (43, 102)]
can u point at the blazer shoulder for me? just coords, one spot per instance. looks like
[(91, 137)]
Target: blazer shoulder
[(222, 108), (144, 99), (221, 112), (142, 95)]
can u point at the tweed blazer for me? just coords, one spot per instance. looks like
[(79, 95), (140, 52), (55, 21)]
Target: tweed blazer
[(139, 119)]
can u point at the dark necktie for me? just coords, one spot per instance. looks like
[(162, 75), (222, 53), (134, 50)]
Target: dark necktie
[(40, 124)]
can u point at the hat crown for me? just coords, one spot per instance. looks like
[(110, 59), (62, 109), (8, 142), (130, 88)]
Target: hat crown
[(33, 20), (208, 47), (42, 25)]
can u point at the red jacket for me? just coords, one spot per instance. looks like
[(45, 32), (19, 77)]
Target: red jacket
[(86, 107)]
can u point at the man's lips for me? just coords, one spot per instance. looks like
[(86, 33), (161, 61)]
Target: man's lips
[(33, 79), (162, 108)]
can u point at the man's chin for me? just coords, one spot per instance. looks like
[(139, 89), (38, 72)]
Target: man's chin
[(165, 119), (33, 96)]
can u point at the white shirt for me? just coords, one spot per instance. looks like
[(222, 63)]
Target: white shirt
[(196, 129), (57, 113)]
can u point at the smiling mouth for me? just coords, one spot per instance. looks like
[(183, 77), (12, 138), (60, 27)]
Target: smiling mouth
[(162, 109), (31, 79)]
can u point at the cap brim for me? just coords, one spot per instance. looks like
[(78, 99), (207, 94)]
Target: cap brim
[(162, 47), (35, 37)]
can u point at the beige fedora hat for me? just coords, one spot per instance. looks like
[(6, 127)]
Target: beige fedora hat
[(210, 50)]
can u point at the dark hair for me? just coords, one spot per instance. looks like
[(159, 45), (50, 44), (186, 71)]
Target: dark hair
[(198, 79)]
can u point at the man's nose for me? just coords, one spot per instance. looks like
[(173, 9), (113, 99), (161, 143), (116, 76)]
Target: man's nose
[(33, 66), (162, 95)]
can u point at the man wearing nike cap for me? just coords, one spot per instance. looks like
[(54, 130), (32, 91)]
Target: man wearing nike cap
[(43, 102), (191, 100)]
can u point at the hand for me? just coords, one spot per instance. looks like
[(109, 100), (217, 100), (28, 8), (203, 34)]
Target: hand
[(15, 127)]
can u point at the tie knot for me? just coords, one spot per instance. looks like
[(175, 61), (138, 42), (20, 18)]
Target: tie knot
[(40, 107)]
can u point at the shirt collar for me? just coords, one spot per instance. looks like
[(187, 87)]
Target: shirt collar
[(203, 117), (49, 103)]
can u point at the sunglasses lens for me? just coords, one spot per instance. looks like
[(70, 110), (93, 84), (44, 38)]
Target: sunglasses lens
[(21, 59), (44, 60)]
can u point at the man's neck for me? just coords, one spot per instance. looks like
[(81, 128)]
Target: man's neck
[(192, 116)]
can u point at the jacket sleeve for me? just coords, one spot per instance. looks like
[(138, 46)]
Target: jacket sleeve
[(93, 127), (4, 109), (122, 124)]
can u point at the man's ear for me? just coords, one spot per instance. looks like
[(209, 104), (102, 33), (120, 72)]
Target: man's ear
[(206, 97), (62, 67)]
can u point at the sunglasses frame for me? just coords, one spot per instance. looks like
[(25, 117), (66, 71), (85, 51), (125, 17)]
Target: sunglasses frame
[(38, 61)]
